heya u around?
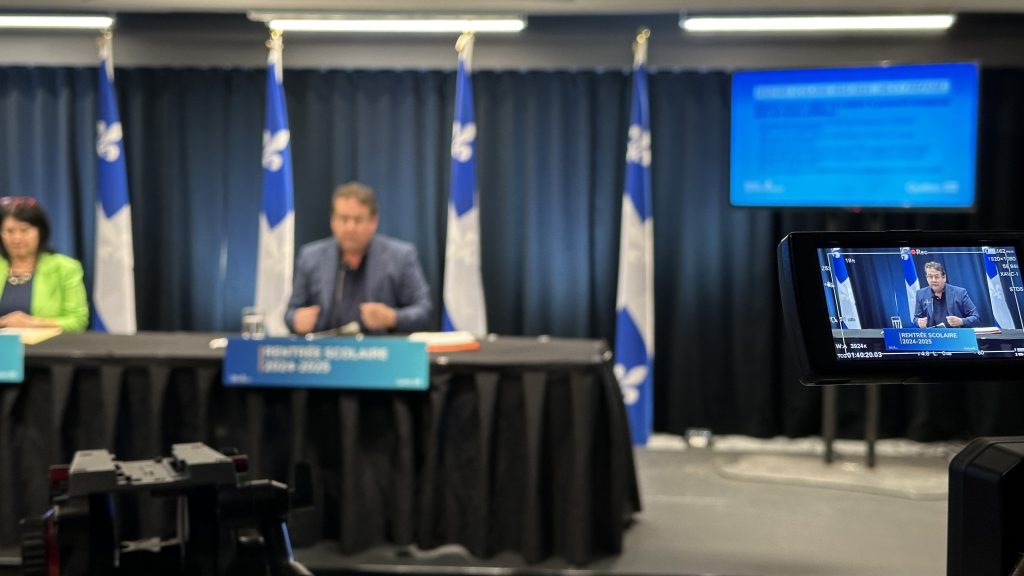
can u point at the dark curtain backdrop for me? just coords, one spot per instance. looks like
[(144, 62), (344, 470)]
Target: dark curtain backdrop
[(550, 162)]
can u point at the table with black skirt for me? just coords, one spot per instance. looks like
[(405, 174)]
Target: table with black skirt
[(520, 446)]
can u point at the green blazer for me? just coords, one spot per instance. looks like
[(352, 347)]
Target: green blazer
[(58, 291)]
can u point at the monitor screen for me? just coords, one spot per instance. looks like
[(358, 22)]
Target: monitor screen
[(909, 302), (904, 306), (873, 137)]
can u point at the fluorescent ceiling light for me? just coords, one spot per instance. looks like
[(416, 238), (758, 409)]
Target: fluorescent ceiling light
[(422, 25), (65, 22), (851, 23)]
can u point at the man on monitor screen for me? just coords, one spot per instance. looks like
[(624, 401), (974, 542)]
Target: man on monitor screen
[(943, 305)]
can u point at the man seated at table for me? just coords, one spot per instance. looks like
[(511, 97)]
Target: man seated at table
[(941, 304), (357, 280)]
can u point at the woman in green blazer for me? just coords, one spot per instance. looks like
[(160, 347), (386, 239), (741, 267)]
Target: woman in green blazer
[(42, 288)]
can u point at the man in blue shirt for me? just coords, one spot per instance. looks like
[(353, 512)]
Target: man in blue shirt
[(943, 305), (358, 280)]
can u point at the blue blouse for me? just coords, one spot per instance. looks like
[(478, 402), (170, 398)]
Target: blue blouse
[(17, 298)]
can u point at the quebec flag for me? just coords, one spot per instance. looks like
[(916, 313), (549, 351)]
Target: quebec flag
[(464, 307), (849, 318), (1000, 309), (634, 305), (277, 215), (912, 283), (114, 284)]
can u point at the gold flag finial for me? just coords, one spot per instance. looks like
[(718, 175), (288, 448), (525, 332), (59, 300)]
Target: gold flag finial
[(461, 42), (640, 46), (275, 38), (641, 36), (103, 39)]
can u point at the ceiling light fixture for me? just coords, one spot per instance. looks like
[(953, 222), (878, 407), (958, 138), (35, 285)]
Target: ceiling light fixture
[(407, 24), (54, 21), (835, 23)]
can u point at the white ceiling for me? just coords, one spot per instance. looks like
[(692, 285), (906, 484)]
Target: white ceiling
[(518, 6), (563, 34)]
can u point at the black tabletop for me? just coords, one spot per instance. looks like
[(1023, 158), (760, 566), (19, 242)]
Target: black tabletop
[(203, 346)]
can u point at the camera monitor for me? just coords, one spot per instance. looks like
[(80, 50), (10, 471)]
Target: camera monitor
[(904, 306)]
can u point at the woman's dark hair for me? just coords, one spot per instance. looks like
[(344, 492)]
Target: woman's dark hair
[(26, 209)]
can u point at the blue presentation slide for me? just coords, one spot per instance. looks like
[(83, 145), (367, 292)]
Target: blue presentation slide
[(883, 136)]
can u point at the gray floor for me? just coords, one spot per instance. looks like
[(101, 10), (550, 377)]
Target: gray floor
[(743, 508), (748, 508)]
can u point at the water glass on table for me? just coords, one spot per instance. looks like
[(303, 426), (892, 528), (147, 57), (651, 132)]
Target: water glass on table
[(253, 325)]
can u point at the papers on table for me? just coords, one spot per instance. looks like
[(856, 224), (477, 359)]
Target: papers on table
[(31, 336), (457, 341)]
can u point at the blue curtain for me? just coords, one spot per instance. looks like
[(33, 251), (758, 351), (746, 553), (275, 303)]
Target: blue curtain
[(551, 150), (47, 132)]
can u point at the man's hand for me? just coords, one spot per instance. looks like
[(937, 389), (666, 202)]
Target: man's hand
[(922, 322), (377, 316), (304, 319), (954, 321)]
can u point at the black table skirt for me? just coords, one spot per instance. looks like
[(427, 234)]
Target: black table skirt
[(520, 446)]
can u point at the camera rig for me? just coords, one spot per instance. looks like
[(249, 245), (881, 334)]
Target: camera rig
[(225, 524)]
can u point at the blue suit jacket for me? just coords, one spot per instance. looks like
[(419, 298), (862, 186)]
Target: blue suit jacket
[(393, 277), (958, 303)]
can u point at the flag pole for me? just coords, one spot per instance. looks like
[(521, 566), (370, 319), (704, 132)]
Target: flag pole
[(114, 265), (464, 306), (104, 37), (276, 41), (276, 252), (634, 302), (103, 46)]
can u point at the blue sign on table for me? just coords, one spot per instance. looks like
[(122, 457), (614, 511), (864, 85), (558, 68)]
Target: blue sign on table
[(930, 340), (365, 363), (12, 359)]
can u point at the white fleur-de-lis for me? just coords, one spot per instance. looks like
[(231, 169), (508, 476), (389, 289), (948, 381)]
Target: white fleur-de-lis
[(272, 147), (463, 243), (638, 150), (462, 141), (108, 140), (630, 381)]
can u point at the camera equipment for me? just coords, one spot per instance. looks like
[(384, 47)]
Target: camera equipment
[(986, 495), (907, 307), (225, 524), (917, 307)]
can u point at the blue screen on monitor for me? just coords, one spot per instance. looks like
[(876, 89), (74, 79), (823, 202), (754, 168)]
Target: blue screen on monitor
[(882, 136)]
